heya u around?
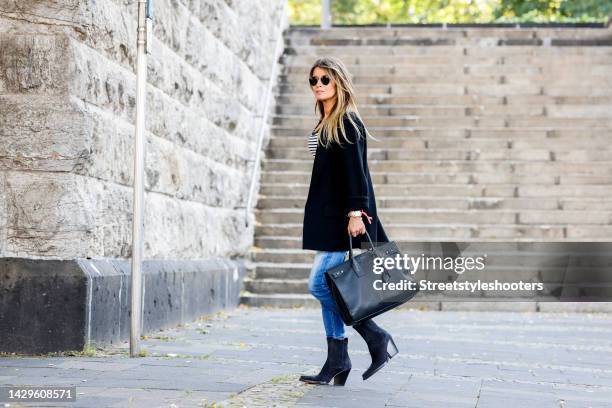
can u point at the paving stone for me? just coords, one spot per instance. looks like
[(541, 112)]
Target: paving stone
[(440, 364)]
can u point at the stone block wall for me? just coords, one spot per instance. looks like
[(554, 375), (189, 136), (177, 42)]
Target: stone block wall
[(67, 114), (67, 97)]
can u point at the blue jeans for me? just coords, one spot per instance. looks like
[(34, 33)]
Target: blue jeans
[(334, 326)]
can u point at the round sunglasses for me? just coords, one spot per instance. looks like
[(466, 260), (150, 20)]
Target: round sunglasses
[(315, 80)]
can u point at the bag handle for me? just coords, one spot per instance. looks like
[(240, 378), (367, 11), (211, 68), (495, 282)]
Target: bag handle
[(354, 264)]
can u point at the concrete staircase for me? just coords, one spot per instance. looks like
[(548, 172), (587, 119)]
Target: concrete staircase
[(486, 134)]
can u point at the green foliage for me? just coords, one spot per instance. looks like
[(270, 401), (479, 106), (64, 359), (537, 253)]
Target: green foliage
[(308, 12), (513, 8), (553, 10), (595, 8)]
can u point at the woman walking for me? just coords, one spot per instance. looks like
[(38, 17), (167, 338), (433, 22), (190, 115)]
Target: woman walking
[(340, 194)]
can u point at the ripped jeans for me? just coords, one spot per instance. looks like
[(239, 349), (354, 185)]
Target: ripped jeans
[(323, 261)]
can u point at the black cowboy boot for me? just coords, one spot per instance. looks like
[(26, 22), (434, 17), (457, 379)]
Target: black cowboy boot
[(337, 365), (380, 344)]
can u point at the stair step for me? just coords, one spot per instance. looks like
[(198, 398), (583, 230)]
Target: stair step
[(541, 136), (524, 271), (407, 54), (283, 300), (410, 121), (465, 78), (456, 231), (458, 203), (471, 67), (420, 302), (271, 286), (475, 154), (443, 90), (447, 166), (472, 138), (427, 99), (449, 216), (469, 190), (432, 37), (302, 178), (495, 112), (491, 59), (280, 270), (466, 32), (450, 51), (450, 232)]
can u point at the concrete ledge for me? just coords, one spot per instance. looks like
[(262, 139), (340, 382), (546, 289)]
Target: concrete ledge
[(458, 25), (575, 307), (55, 305), (430, 304)]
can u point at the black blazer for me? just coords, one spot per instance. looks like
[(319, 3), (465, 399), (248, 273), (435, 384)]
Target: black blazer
[(340, 182)]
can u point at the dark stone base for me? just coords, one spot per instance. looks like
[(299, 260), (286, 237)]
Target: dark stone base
[(57, 305)]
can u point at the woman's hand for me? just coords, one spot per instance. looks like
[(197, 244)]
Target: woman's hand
[(356, 226)]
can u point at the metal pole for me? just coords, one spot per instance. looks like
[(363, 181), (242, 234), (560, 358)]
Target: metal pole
[(326, 15), (138, 196)]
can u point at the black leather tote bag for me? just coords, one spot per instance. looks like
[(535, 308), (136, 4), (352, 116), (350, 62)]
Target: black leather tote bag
[(352, 283)]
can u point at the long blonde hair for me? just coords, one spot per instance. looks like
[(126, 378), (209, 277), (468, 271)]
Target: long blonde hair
[(345, 103)]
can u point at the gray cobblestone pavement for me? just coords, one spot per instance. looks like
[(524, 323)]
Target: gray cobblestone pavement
[(252, 357)]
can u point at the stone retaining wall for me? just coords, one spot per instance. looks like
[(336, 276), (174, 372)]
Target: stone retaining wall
[(67, 97)]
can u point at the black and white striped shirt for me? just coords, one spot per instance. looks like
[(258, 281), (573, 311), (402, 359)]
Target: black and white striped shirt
[(312, 143)]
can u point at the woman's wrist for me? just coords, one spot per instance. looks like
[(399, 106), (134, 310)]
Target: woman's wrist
[(358, 214)]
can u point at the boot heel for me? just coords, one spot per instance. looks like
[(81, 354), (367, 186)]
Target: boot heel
[(341, 377), (391, 348)]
